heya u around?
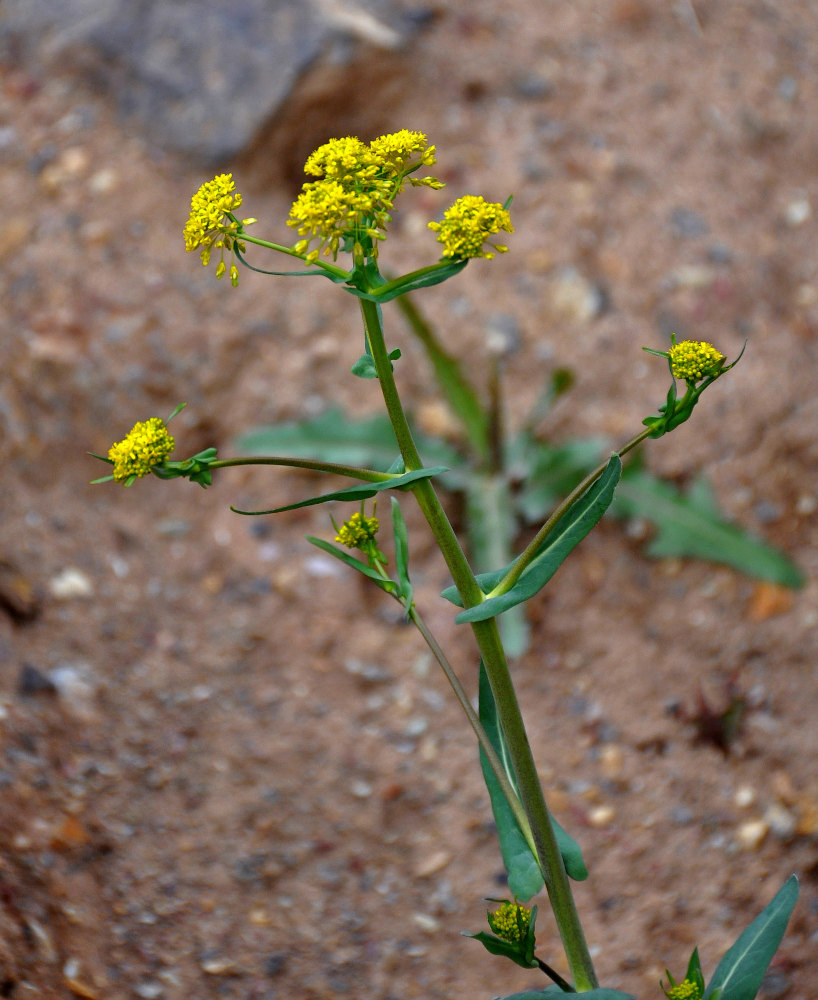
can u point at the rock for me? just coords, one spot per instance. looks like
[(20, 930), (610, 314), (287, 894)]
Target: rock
[(17, 593), (71, 583), (433, 864), (781, 821), (32, 682), (199, 78), (751, 835), (575, 298), (687, 224)]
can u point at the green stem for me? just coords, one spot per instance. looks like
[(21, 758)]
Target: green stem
[(531, 550), (353, 471), (491, 649), (339, 272)]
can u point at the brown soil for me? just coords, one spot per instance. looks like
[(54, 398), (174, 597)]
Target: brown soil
[(227, 769)]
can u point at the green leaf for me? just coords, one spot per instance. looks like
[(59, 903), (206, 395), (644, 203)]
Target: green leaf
[(356, 564), (334, 437), (401, 537), (554, 992), (364, 367), (567, 533), (692, 525), (740, 972), (362, 491), (424, 278), (524, 875), (496, 946)]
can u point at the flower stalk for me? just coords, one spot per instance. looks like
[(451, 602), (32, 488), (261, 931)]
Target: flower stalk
[(491, 650)]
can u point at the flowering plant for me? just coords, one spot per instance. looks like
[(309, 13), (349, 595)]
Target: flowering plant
[(344, 215)]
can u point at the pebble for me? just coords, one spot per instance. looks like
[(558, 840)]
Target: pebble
[(781, 821), (751, 835), (71, 583), (745, 796), (149, 990), (798, 212), (220, 967), (32, 682), (601, 816), (575, 298), (687, 224), (503, 334), (433, 863), (426, 922)]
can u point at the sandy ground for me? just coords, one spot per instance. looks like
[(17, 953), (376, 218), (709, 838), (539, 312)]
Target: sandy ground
[(227, 769)]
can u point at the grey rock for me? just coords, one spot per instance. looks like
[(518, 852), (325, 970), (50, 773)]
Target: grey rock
[(688, 224), (196, 77)]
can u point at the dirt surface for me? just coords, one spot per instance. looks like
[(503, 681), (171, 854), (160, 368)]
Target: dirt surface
[(227, 769)]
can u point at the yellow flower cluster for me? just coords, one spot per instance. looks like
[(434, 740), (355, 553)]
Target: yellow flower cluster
[(354, 196), (358, 532), (212, 223), (467, 226), (147, 444), (510, 922), (684, 991), (693, 360)]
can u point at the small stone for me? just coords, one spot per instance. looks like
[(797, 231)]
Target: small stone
[(751, 835), (426, 922), (503, 334), (434, 863), (575, 298), (149, 990), (533, 86), (798, 212), (601, 816), (361, 789), (687, 224), (781, 821), (32, 682), (691, 276), (71, 583), (681, 815), (612, 760), (220, 967), (745, 796)]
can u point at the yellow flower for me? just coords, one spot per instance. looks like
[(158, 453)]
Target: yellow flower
[(467, 226), (147, 444), (694, 360), (510, 922), (684, 991), (358, 532), (212, 223), (352, 201)]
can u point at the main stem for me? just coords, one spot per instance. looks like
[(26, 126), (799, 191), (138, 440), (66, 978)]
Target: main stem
[(491, 649)]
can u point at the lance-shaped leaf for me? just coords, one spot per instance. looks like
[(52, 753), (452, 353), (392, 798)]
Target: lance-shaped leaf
[(739, 974), (525, 878), (388, 585), (361, 492), (401, 537), (566, 534), (424, 278), (333, 436), (693, 525)]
